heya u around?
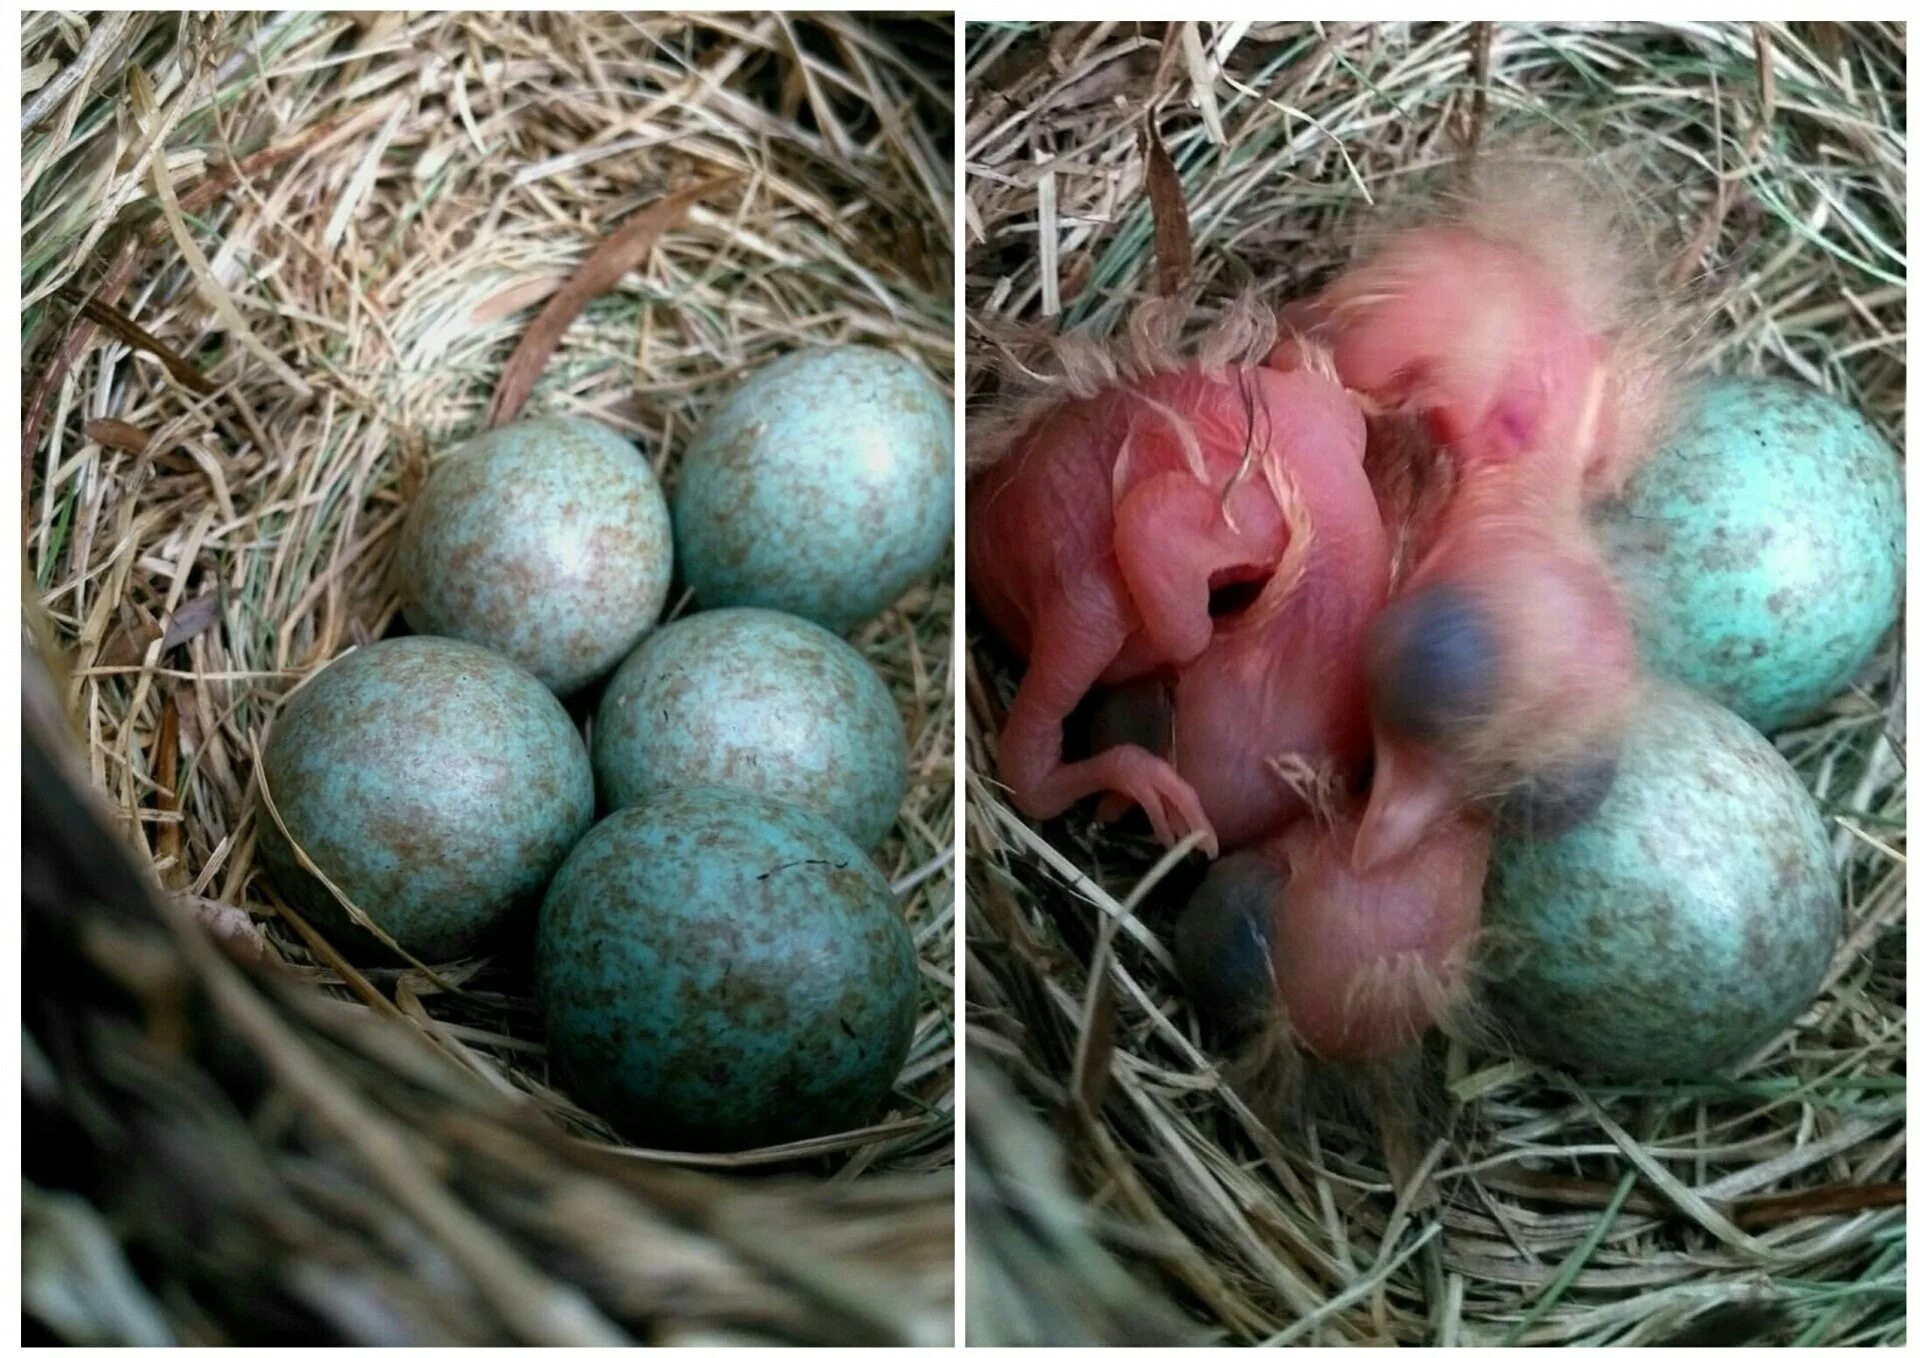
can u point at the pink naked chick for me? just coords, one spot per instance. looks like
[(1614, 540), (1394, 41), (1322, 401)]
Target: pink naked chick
[(1356, 966), (1104, 545), (1366, 963), (1502, 670)]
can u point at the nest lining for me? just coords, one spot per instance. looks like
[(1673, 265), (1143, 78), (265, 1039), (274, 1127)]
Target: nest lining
[(274, 264)]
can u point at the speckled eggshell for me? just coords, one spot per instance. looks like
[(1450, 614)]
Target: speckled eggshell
[(721, 971), (1763, 548), (436, 784), (545, 540), (1684, 925), (760, 701), (822, 486)]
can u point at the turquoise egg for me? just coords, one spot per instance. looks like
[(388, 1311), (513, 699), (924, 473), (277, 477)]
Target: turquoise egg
[(436, 784), (545, 540), (1763, 548), (759, 701), (1685, 924), (822, 486), (721, 971)]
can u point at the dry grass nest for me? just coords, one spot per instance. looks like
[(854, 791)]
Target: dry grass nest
[(1525, 1206), (273, 265)]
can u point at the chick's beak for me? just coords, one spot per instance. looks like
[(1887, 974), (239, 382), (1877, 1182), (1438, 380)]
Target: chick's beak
[(1411, 793)]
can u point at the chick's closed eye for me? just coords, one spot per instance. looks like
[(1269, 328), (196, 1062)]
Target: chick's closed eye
[(1433, 663)]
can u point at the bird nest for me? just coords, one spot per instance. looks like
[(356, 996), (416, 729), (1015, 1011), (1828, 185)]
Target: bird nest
[(274, 263), (1516, 1204)]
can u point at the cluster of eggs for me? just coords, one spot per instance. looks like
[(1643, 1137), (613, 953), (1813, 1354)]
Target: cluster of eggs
[(719, 962)]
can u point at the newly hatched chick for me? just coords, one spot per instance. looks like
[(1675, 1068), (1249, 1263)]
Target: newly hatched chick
[(1514, 323), (1501, 673), (1209, 521), (1366, 962), (1504, 667), (1355, 966)]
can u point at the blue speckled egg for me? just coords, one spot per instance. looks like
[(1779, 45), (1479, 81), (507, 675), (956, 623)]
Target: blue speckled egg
[(822, 486), (1763, 548), (1682, 926), (760, 701), (436, 784), (720, 970), (547, 541)]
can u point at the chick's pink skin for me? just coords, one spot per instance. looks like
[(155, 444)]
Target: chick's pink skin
[(1483, 338), (1365, 963), (1508, 351), (1095, 543), (1276, 706)]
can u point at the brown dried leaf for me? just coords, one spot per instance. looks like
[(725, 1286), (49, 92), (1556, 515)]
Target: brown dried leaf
[(188, 621), (1831, 1200), (515, 297), (610, 261), (1571, 1190), (130, 333), (128, 438), (1172, 237), (129, 645)]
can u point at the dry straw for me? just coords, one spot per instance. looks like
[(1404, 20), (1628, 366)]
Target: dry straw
[(1517, 1206), (273, 264)]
